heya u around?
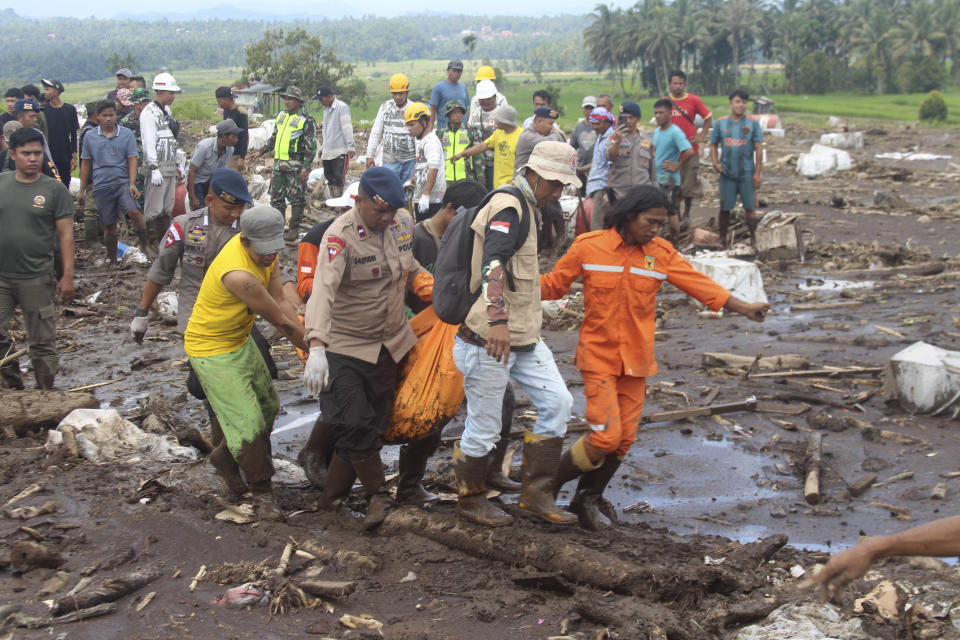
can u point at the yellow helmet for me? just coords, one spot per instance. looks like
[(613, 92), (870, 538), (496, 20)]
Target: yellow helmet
[(485, 72), (399, 82), (415, 111)]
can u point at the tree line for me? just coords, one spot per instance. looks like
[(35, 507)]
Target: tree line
[(823, 45)]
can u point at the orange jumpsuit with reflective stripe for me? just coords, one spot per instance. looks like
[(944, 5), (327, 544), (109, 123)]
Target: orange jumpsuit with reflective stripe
[(615, 350)]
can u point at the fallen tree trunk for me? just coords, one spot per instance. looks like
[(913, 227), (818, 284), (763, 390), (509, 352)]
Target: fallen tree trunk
[(685, 585), (109, 591), (31, 410), (712, 359), (922, 269)]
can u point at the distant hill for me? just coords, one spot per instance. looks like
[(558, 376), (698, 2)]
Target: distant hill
[(73, 49)]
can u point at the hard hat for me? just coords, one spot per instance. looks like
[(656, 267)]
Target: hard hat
[(486, 89), (485, 72), (165, 82), (415, 111), (399, 82)]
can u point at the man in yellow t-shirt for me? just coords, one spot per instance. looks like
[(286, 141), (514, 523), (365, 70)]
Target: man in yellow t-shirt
[(241, 282), (503, 143)]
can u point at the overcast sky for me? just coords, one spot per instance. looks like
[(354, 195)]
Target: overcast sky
[(111, 8)]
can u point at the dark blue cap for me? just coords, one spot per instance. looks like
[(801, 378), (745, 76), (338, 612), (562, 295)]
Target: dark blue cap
[(26, 104), (229, 186), (545, 112), (383, 187), (630, 107)]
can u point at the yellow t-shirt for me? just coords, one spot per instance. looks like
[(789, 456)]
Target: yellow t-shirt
[(504, 147), (221, 322)]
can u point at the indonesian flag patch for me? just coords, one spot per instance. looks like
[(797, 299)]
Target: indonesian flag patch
[(174, 235), (500, 225)]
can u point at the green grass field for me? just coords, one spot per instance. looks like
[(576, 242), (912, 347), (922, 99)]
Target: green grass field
[(198, 104)]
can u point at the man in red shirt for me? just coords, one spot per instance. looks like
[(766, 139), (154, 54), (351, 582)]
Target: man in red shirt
[(622, 267), (686, 108)]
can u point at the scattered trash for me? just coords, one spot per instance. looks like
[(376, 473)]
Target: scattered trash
[(257, 185), (237, 514), (167, 306), (886, 600), (845, 140), (889, 201), (249, 594), (797, 571), (910, 155), (778, 237), (410, 577), (28, 555), (925, 379), (315, 178), (131, 255), (823, 159), (804, 621), (258, 136), (93, 297), (103, 436), (640, 507), (739, 277)]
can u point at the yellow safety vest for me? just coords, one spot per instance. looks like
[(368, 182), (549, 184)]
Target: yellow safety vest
[(289, 132), (453, 143)]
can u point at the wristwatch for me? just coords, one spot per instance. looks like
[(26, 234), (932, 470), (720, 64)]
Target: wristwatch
[(140, 313)]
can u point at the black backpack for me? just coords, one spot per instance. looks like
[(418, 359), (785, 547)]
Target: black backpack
[(452, 297)]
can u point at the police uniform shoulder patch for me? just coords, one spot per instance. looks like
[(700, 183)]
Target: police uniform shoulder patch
[(333, 251), (174, 235)]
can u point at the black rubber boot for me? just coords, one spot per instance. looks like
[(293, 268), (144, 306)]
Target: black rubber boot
[(43, 373), (10, 373), (593, 510), (496, 478), (413, 464), (317, 452), (472, 503), (369, 469), (541, 457), (339, 480)]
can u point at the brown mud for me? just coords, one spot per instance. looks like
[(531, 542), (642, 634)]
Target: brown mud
[(709, 501)]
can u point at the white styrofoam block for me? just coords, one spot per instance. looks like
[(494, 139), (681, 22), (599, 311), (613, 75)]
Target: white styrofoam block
[(927, 377)]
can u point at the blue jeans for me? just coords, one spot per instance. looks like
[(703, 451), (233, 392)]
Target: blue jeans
[(404, 170), (484, 383)]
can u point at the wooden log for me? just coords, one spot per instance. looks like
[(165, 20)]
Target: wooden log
[(39, 622), (813, 373), (814, 458), (677, 583), (332, 590), (31, 410), (13, 356), (694, 412), (109, 591), (768, 363), (825, 306), (33, 555), (859, 487), (922, 269)]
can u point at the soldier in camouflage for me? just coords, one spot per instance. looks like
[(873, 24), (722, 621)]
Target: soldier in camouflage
[(294, 145), (140, 99)]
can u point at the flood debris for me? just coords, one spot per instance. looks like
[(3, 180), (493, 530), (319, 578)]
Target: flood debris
[(926, 379), (28, 555), (814, 460), (249, 594), (26, 411), (108, 591), (104, 436)]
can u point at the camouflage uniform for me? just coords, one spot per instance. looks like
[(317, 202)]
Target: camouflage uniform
[(132, 121), (285, 183)]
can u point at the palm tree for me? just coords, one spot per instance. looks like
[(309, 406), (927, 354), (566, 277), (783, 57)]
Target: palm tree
[(870, 34), (741, 21), (660, 39), (470, 42), (603, 46), (947, 17), (917, 33)]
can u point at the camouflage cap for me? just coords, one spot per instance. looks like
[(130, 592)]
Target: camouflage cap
[(451, 106), (138, 95), (293, 92)]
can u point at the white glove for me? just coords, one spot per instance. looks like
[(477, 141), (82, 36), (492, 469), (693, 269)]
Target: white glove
[(423, 204), (316, 373), (156, 178), (138, 328)]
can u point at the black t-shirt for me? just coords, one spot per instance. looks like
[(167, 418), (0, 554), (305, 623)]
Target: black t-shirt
[(5, 117), (62, 128), (239, 116)]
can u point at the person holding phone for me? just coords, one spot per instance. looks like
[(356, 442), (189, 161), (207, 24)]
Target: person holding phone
[(631, 154)]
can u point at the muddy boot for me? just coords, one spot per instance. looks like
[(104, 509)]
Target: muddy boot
[(723, 226), (752, 222), (335, 190), (265, 506), (472, 503), (110, 244), (91, 226), (412, 466), (369, 469), (10, 377), (496, 478), (145, 246), (541, 457), (43, 373), (293, 231), (254, 460), (316, 453), (223, 462), (337, 484), (576, 461), (593, 510)]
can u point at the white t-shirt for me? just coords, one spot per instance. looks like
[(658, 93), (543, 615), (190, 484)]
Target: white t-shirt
[(430, 156)]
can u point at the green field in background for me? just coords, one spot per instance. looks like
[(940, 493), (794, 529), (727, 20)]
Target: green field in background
[(197, 101)]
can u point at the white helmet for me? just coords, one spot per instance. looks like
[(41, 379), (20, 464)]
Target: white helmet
[(165, 82), (486, 89)]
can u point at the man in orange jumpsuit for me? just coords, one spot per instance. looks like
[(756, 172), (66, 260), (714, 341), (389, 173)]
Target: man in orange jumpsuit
[(622, 266)]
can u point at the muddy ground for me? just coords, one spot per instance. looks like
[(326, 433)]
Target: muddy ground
[(685, 561)]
